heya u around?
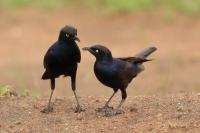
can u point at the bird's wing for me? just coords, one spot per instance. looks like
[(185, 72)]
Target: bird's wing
[(49, 58), (125, 70), (134, 60)]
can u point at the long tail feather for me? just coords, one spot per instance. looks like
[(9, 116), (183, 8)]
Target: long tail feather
[(146, 52)]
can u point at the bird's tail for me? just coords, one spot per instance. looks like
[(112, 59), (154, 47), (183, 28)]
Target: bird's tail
[(146, 52), (45, 76)]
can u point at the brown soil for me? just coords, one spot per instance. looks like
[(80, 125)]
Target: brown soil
[(179, 113)]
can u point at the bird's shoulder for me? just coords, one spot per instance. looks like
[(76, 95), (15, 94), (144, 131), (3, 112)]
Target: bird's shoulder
[(53, 51), (104, 67)]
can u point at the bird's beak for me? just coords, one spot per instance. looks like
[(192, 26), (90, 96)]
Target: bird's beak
[(76, 38), (88, 49), (85, 49)]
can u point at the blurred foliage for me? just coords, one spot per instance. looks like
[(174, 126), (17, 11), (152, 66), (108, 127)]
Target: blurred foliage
[(129, 5), (185, 6), (116, 6), (32, 3), (191, 7)]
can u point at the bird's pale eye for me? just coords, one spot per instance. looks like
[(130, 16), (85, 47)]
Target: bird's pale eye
[(97, 51), (67, 35)]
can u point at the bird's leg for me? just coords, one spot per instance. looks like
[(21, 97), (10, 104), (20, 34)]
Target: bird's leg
[(49, 104), (106, 106), (78, 107), (117, 110), (49, 108)]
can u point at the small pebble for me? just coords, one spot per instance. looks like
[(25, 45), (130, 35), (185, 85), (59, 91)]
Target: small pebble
[(17, 122), (133, 110)]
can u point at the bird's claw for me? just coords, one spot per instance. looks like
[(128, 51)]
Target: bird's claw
[(47, 110), (104, 109), (79, 109), (113, 113)]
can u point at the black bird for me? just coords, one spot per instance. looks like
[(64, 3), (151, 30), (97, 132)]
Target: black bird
[(62, 58), (117, 73)]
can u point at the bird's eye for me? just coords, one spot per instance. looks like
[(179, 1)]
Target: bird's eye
[(97, 51), (67, 35)]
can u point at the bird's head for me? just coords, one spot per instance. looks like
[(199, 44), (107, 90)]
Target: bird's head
[(68, 33), (100, 52)]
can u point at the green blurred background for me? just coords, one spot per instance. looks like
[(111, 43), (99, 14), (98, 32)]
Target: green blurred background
[(191, 7)]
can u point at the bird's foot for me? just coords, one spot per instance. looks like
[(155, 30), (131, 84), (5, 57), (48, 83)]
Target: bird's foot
[(104, 109), (113, 113), (79, 109), (47, 110)]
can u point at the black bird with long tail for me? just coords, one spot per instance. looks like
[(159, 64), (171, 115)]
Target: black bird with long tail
[(62, 58), (117, 73)]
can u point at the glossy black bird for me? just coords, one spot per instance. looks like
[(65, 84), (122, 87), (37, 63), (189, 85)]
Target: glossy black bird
[(62, 58), (117, 73)]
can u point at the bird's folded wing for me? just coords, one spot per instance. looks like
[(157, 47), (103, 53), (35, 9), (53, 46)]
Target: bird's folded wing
[(134, 59)]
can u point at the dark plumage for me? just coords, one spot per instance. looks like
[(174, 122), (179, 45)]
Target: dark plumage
[(117, 73), (62, 58)]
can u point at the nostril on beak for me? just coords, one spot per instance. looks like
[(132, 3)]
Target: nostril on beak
[(85, 48)]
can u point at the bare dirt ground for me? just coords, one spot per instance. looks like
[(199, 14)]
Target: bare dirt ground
[(164, 98), (168, 114)]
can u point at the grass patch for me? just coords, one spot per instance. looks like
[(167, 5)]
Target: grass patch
[(5, 90)]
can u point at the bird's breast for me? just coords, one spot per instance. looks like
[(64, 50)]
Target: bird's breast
[(106, 73)]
